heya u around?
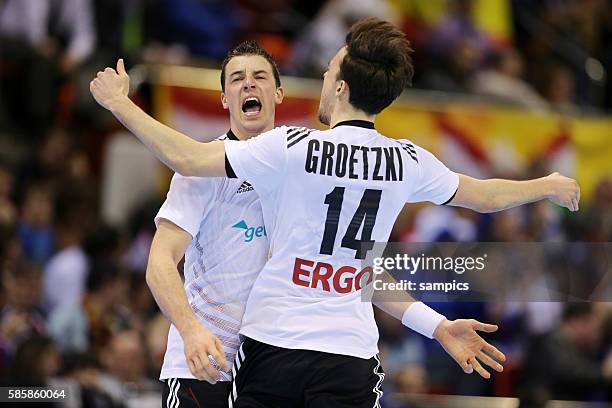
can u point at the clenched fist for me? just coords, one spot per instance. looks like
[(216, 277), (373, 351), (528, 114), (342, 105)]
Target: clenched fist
[(564, 191), (110, 86), (204, 354)]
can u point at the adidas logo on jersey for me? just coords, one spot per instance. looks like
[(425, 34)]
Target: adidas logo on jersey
[(244, 187)]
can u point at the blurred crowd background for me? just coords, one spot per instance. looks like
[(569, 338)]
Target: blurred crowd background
[(75, 308)]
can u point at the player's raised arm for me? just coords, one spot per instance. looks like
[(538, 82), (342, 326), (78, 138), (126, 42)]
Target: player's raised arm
[(178, 151), (498, 194)]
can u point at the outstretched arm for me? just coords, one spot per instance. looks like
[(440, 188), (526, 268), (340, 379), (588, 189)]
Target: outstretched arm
[(178, 151), (498, 194), (459, 338)]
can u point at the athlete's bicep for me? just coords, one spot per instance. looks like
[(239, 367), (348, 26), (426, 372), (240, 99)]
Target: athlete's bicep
[(169, 240), (205, 160), (468, 192)]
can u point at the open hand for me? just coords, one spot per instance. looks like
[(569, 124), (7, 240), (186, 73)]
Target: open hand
[(466, 347), (200, 346), (109, 86), (564, 191)]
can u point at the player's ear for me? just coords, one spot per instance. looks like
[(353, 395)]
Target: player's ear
[(224, 101), (279, 95), (341, 88)]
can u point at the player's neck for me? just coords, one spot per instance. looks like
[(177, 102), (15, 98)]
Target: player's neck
[(343, 113)]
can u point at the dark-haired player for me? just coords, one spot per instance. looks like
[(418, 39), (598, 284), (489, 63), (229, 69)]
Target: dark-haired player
[(217, 224), (326, 197)]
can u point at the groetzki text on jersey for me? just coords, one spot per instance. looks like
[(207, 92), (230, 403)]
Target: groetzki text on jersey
[(354, 162)]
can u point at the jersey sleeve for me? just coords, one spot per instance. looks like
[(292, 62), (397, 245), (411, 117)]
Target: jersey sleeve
[(186, 204), (435, 182), (261, 160)]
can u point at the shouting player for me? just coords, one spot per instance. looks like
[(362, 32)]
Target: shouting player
[(326, 197), (217, 224)]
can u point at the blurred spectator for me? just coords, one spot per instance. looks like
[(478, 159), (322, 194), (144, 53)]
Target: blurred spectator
[(325, 35), (43, 42), (47, 163), (563, 364), (36, 361), (441, 223), (8, 212), (90, 324), (140, 301), (35, 365), (104, 244), (141, 230), (504, 82), (544, 223), (20, 317), (205, 28), (55, 28), (35, 231), (65, 274), (457, 69), (558, 88), (124, 27), (508, 226), (275, 24), (84, 371), (595, 223), (457, 26), (571, 31), (125, 359)]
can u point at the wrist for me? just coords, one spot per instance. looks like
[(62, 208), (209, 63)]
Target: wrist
[(119, 104), (441, 330), (188, 326), (422, 319), (546, 187)]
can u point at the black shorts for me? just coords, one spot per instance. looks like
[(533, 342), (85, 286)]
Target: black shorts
[(186, 392), (275, 377)]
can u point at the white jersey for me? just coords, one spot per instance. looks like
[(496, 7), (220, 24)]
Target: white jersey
[(228, 249), (327, 196)]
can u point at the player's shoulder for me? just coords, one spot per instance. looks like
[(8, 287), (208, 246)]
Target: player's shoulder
[(295, 134), (195, 183), (291, 135), (407, 146)]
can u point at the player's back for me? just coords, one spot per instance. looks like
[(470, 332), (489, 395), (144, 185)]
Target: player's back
[(338, 192)]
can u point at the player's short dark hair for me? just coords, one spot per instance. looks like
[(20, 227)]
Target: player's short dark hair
[(249, 48), (377, 65)]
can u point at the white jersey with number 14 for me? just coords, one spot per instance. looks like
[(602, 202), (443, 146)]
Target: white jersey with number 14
[(326, 197)]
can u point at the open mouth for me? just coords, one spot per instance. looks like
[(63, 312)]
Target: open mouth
[(251, 106)]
